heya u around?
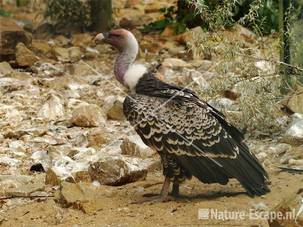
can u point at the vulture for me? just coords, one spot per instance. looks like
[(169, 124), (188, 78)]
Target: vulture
[(191, 137)]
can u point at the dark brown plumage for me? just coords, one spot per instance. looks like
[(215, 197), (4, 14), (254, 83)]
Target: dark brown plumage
[(191, 137)]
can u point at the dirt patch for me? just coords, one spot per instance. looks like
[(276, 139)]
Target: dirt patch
[(121, 208)]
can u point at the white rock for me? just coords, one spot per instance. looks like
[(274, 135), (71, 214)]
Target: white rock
[(14, 116), (260, 206), (88, 116), (17, 147), (21, 185), (279, 148), (53, 108), (295, 131), (117, 170), (295, 102), (12, 162), (223, 103), (265, 66), (261, 156), (5, 68), (42, 157), (195, 77)]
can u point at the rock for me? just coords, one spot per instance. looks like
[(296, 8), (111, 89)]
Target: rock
[(24, 56), (75, 54), (280, 148), (294, 134), (41, 47), (295, 103), (61, 41), (97, 137), (261, 156), (265, 66), (295, 162), (51, 178), (91, 52), (87, 116), (285, 158), (117, 170), (223, 103), (195, 77), (11, 34), (175, 63), (46, 69), (52, 109), (5, 68), (81, 176), (134, 146), (71, 54), (11, 162), (84, 196), (115, 111), (188, 36), (82, 40), (61, 54), (291, 207), (21, 185), (18, 148), (248, 35), (259, 207)]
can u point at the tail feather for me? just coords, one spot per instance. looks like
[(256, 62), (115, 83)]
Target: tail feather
[(245, 168)]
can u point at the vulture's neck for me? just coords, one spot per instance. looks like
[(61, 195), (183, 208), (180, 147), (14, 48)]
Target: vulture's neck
[(125, 71)]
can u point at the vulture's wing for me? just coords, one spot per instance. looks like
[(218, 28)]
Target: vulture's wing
[(192, 132)]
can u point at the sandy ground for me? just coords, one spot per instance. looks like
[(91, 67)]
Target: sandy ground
[(126, 207)]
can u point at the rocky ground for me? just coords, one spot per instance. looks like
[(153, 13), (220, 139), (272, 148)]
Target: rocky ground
[(69, 158)]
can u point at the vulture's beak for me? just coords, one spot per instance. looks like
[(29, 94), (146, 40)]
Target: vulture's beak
[(101, 37)]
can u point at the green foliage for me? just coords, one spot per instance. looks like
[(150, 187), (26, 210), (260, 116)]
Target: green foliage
[(259, 15), (4, 13), (235, 69), (68, 13), (161, 24)]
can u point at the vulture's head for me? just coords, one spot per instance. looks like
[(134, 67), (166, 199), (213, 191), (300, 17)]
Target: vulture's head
[(121, 39), (125, 71)]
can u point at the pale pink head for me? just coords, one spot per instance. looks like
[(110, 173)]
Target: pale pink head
[(128, 48), (120, 38)]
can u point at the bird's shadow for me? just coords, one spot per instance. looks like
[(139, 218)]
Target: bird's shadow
[(207, 196), (199, 197)]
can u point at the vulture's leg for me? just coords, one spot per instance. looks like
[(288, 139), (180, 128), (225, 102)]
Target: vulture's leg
[(165, 189), (175, 191), (163, 197)]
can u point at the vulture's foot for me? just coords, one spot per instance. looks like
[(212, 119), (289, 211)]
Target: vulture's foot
[(163, 197)]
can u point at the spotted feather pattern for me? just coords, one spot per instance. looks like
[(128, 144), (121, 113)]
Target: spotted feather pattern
[(178, 129), (191, 137)]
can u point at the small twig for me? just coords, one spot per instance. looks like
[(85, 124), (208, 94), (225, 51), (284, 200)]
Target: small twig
[(270, 60), (291, 170), (26, 196)]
